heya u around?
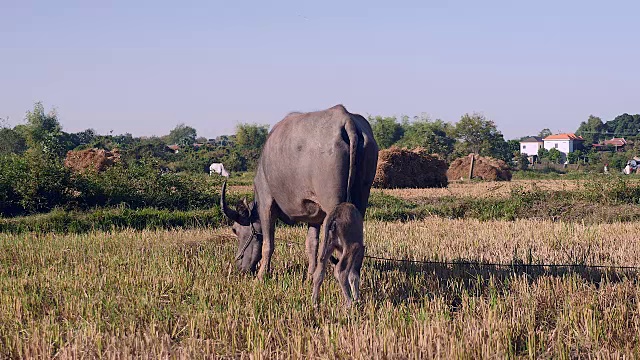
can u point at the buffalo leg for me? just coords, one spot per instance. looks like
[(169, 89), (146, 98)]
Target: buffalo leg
[(311, 247), (268, 237)]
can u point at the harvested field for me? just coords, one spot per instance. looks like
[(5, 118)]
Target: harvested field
[(166, 294), (483, 189)]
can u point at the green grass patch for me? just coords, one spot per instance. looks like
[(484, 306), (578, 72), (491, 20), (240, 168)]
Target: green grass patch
[(60, 221)]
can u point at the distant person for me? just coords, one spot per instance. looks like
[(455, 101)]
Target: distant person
[(606, 168)]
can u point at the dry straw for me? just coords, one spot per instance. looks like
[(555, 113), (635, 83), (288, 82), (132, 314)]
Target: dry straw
[(485, 168), (403, 168), (91, 159)]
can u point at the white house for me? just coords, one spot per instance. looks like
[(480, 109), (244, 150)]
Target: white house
[(565, 143), (530, 146)]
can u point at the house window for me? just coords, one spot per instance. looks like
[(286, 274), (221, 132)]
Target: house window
[(524, 146), (556, 146)]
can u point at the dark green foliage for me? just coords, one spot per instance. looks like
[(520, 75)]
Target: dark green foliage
[(592, 130), (386, 130), (595, 131), (182, 135), (555, 156), (251, 136), (43, 132), (30, 184), (574, 157), (544, 133), (148, 148), (624, 125), (11, 142), (514, 146), (430, 135), (523, 162), (543, 153), (478, 135)]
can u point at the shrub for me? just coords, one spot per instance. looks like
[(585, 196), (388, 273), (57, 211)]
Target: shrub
[(31, 184)]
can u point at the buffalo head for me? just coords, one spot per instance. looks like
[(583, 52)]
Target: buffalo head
[(246, 227)]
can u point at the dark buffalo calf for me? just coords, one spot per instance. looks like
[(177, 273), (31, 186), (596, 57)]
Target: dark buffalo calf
[(343, 233)]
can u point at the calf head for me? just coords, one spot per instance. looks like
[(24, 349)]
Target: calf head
[(246, 227)]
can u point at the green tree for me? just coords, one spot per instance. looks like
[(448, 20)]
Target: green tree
[(182, 135), (544, 133), (431, 135), (523, 162), (624, 125), (44, 132), (593, 130), (555, 156), (574, 157), (479, 135), (251, 136), (386, 130), (543, 153), (11, 141), (153, 147), (514, 146)]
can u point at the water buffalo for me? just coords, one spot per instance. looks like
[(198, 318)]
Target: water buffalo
[(310, 163), (343, 232)]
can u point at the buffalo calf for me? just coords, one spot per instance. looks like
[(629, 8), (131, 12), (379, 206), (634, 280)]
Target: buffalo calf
[(343, 233)]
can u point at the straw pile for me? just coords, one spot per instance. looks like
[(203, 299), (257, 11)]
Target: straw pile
[(485, 168), (403, 168), (91, 159)]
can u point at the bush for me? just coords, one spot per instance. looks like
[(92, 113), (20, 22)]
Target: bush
[(30, 184)]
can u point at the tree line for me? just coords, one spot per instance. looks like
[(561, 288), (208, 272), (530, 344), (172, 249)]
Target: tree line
[(473, 133), (42, 135)]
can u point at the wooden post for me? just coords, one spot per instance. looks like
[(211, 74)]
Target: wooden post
[(471, 166)]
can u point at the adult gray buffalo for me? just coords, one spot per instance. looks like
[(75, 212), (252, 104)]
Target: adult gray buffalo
[(310, 163)]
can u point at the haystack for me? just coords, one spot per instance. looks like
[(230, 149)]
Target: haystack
[(91, 159), (403, 168), (485, 168)]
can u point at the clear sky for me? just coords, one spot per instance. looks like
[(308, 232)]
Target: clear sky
[(144, 66)]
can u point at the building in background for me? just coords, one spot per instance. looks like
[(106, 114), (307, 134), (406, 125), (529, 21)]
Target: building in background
[(565, 143)]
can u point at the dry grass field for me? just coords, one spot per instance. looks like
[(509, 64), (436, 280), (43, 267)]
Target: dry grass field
[(483, 189), (171, 294)]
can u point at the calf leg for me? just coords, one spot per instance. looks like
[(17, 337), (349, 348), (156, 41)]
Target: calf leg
[(318, 275), (354, 272), (341, 272), (311, 247)]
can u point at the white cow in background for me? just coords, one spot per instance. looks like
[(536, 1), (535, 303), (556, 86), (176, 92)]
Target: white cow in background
[(218, 168)]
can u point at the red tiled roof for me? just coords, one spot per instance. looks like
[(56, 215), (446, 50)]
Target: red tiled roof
[(616, 142), (566, 136)]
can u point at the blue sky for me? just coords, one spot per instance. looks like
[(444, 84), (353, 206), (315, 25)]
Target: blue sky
[(145, 66)]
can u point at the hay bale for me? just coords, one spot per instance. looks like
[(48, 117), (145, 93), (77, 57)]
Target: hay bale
[(403, 168), (485, 168), (91, 159)]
